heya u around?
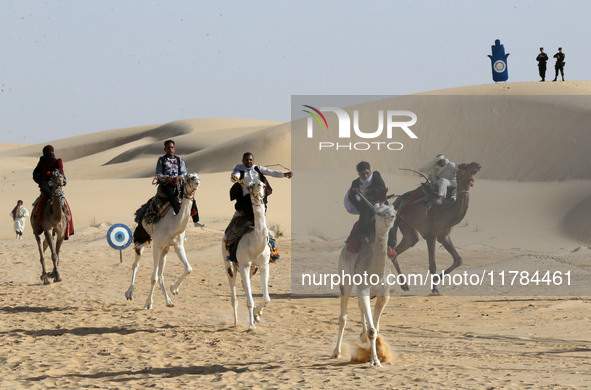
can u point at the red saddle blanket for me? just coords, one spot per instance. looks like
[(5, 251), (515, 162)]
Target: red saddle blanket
[(39, 212), (408, 200)]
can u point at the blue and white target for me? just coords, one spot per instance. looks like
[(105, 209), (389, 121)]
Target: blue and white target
[(119, 236)]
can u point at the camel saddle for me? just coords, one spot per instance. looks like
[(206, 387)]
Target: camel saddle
[(39, 206), (237, 228), (423, 194), (151, 211), (156, 207)]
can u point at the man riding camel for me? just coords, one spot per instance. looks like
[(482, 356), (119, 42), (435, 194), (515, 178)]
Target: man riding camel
[(371, 185), (243, 220), (42, 173), (442, 172), (169, 169), (45, 167), (245, 173)]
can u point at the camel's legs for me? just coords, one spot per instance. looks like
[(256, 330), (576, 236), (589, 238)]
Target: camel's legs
[(447, 244), (180, 251), (245, 274), (232, 271), (161, 278), (44, 276), (58, 245), (432, 266), (409, 238), (363, 336), (158, 255), (258, 310), (345, 295), (134, 267), (381, 302), (365, 304), (54, 256)]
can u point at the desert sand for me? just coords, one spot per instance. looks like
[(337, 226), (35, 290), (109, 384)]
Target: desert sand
[(530, 209)]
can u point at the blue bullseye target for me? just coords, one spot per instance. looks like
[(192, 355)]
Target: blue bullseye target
[(119, 236)]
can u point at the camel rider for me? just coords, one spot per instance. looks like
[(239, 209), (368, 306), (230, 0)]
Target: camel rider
[(441, 172), (372, 186), (168, 170), (245, 173), (45, 167)]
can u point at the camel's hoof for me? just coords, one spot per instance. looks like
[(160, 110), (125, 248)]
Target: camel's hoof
[(435, 293), (129, 295), (375, 363), (335, 355), (173, 290), (46, 281), (148, 307), (57, 279), (404, 287), (169, 304)]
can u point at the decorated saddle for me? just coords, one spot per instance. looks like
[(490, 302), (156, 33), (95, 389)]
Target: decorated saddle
[(39, 206), (237, 228)]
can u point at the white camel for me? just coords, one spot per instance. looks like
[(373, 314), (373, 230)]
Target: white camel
[(252, 252), (371, 259), (168, 231)]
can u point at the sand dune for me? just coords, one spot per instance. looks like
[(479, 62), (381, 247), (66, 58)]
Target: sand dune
[(529, 210)]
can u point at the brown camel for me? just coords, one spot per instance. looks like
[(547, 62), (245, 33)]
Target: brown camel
[(54, 223), (434, 223)]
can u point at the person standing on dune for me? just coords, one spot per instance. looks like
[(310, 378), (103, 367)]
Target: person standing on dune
[(559, 66), (542, 58)]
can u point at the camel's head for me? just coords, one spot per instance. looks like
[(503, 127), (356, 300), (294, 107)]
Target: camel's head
[(257, 192), (191, 183), (465, 175), (385, 215), (57, 179)]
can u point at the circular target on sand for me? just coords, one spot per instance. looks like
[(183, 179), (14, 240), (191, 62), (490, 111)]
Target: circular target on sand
[(500, 66), (119, 236)]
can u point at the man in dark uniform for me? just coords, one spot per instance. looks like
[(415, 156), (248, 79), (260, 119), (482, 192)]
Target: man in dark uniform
[(542, 58), (559, 66), (45, 167)]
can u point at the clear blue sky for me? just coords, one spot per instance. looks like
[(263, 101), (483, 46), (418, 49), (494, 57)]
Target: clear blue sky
[(77, 67)]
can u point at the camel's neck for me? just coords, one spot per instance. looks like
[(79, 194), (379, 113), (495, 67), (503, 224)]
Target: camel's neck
[(260, 225), (380, 247), (460, 207), (56, 205), (185, 210)]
